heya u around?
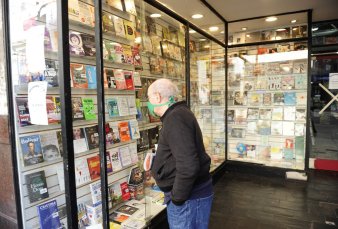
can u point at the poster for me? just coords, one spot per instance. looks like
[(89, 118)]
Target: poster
[(37, 102), (333, 81)]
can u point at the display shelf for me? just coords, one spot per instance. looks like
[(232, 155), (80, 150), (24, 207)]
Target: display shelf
[(144, 126)]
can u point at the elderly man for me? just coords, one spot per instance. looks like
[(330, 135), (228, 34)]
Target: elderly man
[(181, 165)]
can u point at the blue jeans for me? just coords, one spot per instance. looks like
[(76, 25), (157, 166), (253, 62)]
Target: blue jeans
[(192, 214)]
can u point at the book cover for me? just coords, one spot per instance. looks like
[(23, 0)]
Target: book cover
[(132, 105), (128, 76), (114, 129), (94, 166), (36, 186), (78, 75), (134, 129), (278, 98), (77, 109), (31, 150), (265, 114), (276, 153), (125, 157), (59, 137), (95, 191), (248, 85), (299, 129), (261, 83), (147, 45), (240, 98), (86, 15), (136, 191), (123, 106), (115, 159), (253, 113), (288, 82), (109, 165), (114, 51), (135, 176), (107, 22), (276, 128), (288, 154), (51, 73), (125, 191), (120, 79), (153, 134), (285, 68), (112, 107), (79, 140), (254, 99), (290, 98), (289, 143), (124, 131), (94, 213), (23, 111), (299, 67), (117, 4), (277, 113), (130, 7), (240, 115), (118, 218), (92, 136), (109, 78), (91, 76), (301, 98), (300, 114), (275, 82), (127, 55), (48, 214), (129, 28), (89, 109), (301, 81), (156, 42), (231, 116), (115, 194), (288, 129), (126, 209), (251, 151), (73, 10), (143, 141), (289, 113), (238, 132), (50, 146), (264, 127), (53, 112), (133, 153), (137, 56), (251, 127), (82, 174), (119, 26), (76, 44), (272, 69), (299, 148)]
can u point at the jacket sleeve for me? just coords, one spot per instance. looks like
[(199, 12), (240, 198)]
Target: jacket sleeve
[(181, 137)]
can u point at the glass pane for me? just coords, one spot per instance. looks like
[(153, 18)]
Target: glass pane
[(267, 104)]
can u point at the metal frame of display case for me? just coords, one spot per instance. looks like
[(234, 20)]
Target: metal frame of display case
[(66, 105), (263, 169)]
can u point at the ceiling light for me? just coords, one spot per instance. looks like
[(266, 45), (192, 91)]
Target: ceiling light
[(202, 39), (222, 31), (197, 16), (155, 15), (278, 38), (293, 21), (315, 29), (280, 30), (192, 31), (244, 28), (138, 40), (248, 35), (294, 29), (206, 46), (213, 28), (270, 19)]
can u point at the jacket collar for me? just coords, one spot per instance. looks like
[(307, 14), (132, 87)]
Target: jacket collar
[(172, 107)]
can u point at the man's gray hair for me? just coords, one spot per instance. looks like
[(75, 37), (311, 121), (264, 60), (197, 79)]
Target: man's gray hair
[(165, 88)]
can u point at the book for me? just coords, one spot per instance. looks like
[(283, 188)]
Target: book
[(118, 218), (289, 113), (123, 106), (250, 151), (275, 82), (125, 156), (137, 59), (77, 109), (23, 111), (115, 160), (73, 10), (143, 141), (136, 191), (132, 105), (288, 82), (83, 220), (114, 129), (94, 213), (288, 129), (50, 146), (301, 81), (109, 165), (147, 45), (299, 148), (115, 194), (36, 186), (133, 153), (82, 174), (247, 85), (299, 129), (79, 140), (89, 109), (299, 67), (130, 7), (78, 75), (92, 136), (265, 114), (264, 127), (238, 132), (76, 44), (94, 166), (251, 127), (278, 98), (128, 77), (241, 115), (261, 83), (240, 98), (288, 154), (120, 79), (127, 54), (252, 113), (134, 129), (124, 131), (88, 44), (125, 191), (95, 192), (276, 153), (86, 15), (53, 112), (301, 98), (119, 26), (272, 69), (48, 214), (127, 209), (51, 73), (231, 116), (109, 78), (59, 137), (112, 107), (31, 149), (289, 143), (300, 114), (117, 4), (137, 80), (129, 28), (277, 113), (254, 99), (91, 76), (276, 128), (107, 22), (153, 134), (285, 68), (135, 176), (290, 98)]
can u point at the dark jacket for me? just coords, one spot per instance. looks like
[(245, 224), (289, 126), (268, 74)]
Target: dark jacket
[(181, 161)]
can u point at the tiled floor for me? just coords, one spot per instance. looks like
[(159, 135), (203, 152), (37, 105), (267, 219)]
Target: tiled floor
[(252, 201)]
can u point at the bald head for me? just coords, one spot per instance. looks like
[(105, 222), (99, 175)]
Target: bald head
[(164, 87)]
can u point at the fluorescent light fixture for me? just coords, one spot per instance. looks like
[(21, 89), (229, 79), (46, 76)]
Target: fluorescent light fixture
[(244, 28), (294, 28), (293, 21), (197, 16), (202, 39), (314, 28), (278, 38), (206, 46), (271, 19), (276, 57), (281, 29), (213, 28), (155, 15), (222, 31), (248, 35), (192, 31)]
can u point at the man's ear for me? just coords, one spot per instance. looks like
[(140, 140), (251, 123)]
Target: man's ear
[(158, 97)]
